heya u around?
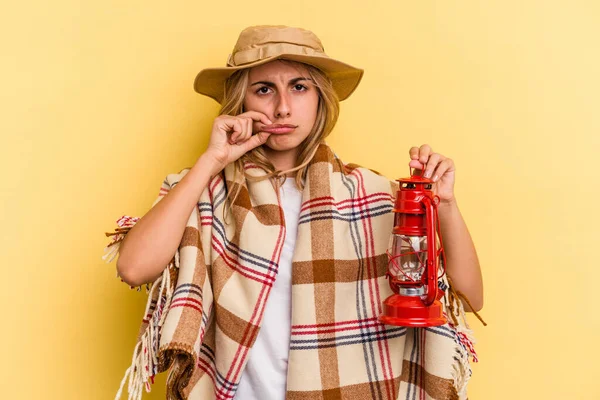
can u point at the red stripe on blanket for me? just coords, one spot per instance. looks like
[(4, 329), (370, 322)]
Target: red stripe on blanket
[(185, 305), (338, 329), (367, 203), (233, 264), (376, 309), (356, 321), (190, 299), (204, 366), (328, 200), (213, 185), (422, 383), (251, 166)]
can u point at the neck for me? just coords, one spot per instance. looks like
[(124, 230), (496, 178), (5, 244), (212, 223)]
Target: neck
[(283, 160)]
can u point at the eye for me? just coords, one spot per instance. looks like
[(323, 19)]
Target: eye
[(300, 87), (263, 90)]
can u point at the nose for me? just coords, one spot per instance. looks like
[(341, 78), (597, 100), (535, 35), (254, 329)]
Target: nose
[(283, 108)]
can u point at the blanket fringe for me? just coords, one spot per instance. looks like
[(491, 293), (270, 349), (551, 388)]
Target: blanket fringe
[(144, 365), (464, 336), (145, 360), (125, 224)]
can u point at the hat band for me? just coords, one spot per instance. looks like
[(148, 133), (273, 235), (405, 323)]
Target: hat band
[(270, 50)]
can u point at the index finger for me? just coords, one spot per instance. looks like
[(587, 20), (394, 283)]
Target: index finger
[(257, 116)]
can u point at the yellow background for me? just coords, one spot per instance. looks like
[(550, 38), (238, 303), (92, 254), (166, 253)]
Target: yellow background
[(98, 107)]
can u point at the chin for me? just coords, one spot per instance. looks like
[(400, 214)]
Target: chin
[(281, 143)]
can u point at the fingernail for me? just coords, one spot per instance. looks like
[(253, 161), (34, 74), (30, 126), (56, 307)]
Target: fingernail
[(427, 174), (435, 178)]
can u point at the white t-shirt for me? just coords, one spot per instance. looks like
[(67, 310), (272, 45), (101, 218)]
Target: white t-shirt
[(265, 375)]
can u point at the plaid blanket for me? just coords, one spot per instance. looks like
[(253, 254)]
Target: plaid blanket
[(204, 313)]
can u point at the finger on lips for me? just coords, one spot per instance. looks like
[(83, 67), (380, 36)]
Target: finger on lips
[(258, 117)]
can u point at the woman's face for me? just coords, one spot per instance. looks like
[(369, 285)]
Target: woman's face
[(285, 93)]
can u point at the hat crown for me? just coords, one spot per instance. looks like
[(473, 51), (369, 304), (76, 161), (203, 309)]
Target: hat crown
[(259, 42)]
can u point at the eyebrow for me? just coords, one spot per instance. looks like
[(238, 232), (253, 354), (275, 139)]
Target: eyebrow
[(291, 82)]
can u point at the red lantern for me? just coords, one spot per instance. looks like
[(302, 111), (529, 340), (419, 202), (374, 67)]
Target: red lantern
[(413, 258)]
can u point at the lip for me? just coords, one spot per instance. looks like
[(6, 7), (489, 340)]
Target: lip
[(278, 128)]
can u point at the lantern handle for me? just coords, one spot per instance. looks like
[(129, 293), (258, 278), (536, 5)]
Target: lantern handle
[(410, 171), (439, 232), (432, 270)]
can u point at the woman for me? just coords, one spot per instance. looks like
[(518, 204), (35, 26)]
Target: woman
[(275, 249)]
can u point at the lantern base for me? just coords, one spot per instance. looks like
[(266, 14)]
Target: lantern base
[(411, 312)]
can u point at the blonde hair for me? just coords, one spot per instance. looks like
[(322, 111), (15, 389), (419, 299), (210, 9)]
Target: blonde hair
[(328, 110)]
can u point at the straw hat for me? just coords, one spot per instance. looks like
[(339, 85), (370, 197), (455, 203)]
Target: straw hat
[(258, 45)]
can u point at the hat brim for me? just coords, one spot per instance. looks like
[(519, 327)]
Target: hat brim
[(345, 78)]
